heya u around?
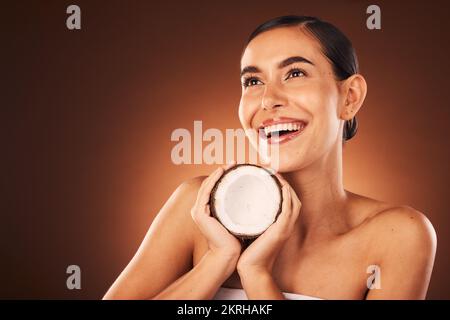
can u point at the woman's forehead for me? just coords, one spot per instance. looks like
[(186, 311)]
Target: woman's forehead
[(272, 46)]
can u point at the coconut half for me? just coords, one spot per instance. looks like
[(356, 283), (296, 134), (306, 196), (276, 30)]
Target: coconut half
[(246, 199)]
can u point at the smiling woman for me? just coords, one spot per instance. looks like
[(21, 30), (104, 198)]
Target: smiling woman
[(301, 91)]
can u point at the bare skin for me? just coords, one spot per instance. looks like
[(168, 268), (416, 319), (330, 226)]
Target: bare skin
[(326, 236)]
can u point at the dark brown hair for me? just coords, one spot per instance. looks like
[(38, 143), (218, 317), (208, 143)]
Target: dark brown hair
[(335, 46)]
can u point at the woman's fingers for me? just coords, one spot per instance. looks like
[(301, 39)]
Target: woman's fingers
[(281, 179), (229, 165), (217, 236), (205, 190), (296, 205), (285, 207), (290, 207), (201, 205)]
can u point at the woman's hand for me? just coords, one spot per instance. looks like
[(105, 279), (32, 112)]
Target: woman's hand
[(260, 256), (220, 241)]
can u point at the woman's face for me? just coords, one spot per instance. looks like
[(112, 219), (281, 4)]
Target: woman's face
[(289, 85)]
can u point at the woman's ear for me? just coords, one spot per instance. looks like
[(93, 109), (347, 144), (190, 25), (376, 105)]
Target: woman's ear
[(354, 92)]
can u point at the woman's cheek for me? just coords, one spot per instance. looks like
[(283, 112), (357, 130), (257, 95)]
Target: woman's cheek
[(312, 97), (251, 103), (246, 112)]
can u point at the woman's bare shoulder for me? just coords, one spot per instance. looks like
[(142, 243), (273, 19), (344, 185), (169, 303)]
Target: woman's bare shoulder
[(186, 193), (390, 224), (191, 185), (380, 213), (177, 209), (185, 196)]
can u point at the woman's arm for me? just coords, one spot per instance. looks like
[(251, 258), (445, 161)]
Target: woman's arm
[(165, 255), (260, 285), (407, 249), (202, 281)]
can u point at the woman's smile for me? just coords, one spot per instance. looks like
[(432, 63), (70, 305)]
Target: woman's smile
[(281, 129)]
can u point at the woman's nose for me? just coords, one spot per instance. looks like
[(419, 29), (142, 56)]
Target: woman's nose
[(272, 98)]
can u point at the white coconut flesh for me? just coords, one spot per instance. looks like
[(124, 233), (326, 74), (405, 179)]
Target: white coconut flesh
[(247, 200)]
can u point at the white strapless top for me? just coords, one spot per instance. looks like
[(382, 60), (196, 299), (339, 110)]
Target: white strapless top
[(239, 294)]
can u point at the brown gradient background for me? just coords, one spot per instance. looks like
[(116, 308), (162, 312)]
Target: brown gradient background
[(87, 117)]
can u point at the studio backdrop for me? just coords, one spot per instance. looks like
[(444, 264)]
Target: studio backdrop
[(89, 112)]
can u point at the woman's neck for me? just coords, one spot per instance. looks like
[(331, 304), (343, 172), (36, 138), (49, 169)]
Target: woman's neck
[(320, 189)]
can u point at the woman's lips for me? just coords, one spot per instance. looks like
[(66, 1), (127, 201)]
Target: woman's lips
[(280, 120), (281, 123)]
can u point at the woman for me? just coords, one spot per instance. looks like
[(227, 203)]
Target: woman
[(300, 70)]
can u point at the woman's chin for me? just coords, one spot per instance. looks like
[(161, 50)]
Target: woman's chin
[(286, 164)]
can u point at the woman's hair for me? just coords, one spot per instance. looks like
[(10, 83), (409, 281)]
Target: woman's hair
[(335, 46)]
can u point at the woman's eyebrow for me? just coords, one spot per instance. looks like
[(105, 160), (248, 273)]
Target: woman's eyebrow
[(250, 69), (282, 64), (292, 60)]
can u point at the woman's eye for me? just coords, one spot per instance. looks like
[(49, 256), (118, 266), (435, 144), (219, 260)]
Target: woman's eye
[(295, 73), (250, 82)]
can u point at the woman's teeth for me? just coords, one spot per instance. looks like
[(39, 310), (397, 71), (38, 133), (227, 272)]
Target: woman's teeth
[(282, 127)]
